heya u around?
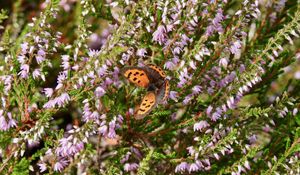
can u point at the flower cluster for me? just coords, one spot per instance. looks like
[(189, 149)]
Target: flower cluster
[(232, 107)]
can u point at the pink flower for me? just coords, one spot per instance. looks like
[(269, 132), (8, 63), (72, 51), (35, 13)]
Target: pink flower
[(200, 125), (3, 124), (160, 35), (24, 71), (42, 166), (236, 46), (24, 47), (99, 92), (183, 166), (48, 92), (60, 165), (130, 166), (193, 168), (141, 52), (12, 122)]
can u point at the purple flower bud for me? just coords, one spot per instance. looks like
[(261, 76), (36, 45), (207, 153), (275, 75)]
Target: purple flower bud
[(60, 165), (42, 166), (183, 166), (160, 35), (99, 92), (193, 168), (11, 122), (200, 125), (208, 110), (3, 124), (247, 165), (196, 89), (24, 47), (169, 65), (235, 48), (48, 92), (141, 52), (24, 71)]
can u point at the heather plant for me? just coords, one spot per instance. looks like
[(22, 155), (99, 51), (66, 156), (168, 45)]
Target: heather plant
[(233, 68)]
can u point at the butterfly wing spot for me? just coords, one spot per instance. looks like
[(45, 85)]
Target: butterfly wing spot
[(128, 75)]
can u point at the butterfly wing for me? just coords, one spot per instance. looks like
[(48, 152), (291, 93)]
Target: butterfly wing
[(156, 75), (148, 103), (137, 75), (163, 92), (158, 70)]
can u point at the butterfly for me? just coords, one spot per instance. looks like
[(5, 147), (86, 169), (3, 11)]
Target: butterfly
[(152, 78)]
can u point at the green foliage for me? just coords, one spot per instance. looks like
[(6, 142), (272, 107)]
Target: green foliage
[(22, 167)]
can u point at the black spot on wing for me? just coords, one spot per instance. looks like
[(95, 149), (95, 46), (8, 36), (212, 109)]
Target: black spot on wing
[(130, 73)]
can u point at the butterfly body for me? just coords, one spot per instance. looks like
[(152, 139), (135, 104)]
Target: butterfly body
[(154, 80)]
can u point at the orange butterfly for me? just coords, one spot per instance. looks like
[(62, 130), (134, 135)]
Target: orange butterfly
[(154, 79)]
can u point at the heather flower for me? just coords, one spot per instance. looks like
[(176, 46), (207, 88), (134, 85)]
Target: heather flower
[(141, 52), (208, 110), (40, 57), (169, 65), (93, 53), (21, 59), (103, 130), (48, 92), (193, 65), (160, 35), (130, 166), (24, 47), (196, 89), (42, 167), (65, 62), (3, 123), (37, 73), (216, 53), (247, 165), (193, 168), (183, 166), (63, 99), (215, 25), (99, 92), (111, 130), (11, 122), (223, 62), (24, 71), (173, 95), (60, 165), (236, 46), (200, 125)]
